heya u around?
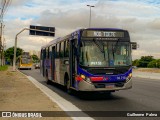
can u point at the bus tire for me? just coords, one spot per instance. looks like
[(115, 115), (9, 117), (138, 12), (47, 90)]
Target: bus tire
[(67, 84), (47, 80)]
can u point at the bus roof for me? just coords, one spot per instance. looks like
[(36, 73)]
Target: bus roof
[(67, 36), (103, 29)]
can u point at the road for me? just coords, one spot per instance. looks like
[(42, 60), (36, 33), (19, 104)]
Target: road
[(144, 96)]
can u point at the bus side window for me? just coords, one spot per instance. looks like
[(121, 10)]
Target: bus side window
[(41, 54), (62, 50), (67, 49), (75, 47), (44, 54), (47, 52), (50, 52), (57, 50)]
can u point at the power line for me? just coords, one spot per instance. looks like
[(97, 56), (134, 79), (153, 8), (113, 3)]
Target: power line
[(4, 6)]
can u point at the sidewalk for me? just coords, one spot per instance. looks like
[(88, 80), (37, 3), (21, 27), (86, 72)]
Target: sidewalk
[(17, 93)]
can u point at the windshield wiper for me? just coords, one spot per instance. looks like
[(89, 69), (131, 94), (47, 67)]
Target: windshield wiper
[(101, 49), (115, 48)]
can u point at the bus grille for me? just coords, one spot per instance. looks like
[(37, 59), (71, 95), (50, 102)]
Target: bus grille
[(107, 71)]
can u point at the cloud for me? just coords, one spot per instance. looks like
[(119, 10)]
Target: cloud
[(141, 19), (155, 24), (18, 2)]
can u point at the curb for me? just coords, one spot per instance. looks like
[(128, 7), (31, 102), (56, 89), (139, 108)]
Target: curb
[(60, 101)]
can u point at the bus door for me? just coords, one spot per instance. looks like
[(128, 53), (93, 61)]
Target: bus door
[(72, 61), (53, 63)]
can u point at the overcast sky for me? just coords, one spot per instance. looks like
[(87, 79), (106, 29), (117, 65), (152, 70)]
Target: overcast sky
[(140, 17)]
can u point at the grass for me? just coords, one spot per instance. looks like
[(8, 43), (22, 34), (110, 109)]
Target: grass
[(3, 68), (153, 70)]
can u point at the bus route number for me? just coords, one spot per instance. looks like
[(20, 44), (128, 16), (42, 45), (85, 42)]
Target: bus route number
[(121, 78)]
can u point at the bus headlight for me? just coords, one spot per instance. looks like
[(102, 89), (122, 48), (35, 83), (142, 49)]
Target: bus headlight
[(129, 77), (85, 78)]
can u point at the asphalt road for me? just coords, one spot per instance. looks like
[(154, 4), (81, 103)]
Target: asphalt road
[(144, 96)]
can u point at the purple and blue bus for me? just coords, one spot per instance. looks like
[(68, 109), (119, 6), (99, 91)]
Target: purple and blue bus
[(92, 59)]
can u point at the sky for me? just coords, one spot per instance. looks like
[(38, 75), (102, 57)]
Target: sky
[(140, 17)]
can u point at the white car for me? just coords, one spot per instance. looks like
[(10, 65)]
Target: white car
[(37, 66)]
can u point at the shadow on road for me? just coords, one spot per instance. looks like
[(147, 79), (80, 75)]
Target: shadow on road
[(90, 96)]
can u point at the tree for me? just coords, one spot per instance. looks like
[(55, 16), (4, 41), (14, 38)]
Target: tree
[(9, 54), (145, 60), (158, 63), (35, 58), (135, 63), (152, 64)]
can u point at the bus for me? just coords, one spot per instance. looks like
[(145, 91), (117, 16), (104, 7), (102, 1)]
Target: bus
[(24, 61), (92, 59)]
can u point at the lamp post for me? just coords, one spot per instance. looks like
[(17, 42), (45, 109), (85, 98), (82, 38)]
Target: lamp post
[(15, 45), (90, 6)]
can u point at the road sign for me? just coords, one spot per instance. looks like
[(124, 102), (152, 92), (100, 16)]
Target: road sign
[(42, 30)]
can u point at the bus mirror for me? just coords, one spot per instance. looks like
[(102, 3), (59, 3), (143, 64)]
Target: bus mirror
[(66, 62), (134, 45)]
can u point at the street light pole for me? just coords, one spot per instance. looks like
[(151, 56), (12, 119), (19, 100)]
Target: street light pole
[(90, 15), (15, 45), (15, 48)]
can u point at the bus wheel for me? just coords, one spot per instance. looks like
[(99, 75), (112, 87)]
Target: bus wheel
[(69, 91), (48, 81)]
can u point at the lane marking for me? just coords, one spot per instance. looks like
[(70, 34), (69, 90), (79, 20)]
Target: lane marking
[(62, 103)]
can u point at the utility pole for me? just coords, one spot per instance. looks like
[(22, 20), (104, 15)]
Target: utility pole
[(4, 48), (1, 46)]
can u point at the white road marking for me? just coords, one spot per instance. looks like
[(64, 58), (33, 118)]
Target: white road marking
[(62, 103)]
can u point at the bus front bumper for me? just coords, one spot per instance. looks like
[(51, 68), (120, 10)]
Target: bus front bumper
[(25, 67), (85, 86)]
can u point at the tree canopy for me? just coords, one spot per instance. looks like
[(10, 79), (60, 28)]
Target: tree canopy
[(35, 58), (9, 54), (147, 61)]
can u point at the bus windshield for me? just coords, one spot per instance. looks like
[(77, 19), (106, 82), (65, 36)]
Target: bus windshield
[(105, 53), (26, 60)]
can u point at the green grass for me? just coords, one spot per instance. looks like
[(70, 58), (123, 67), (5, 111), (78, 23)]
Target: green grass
[(3, 68)]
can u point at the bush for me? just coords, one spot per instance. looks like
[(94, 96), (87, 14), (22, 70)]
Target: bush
[(147, 61), (152, 64), (158, 63)]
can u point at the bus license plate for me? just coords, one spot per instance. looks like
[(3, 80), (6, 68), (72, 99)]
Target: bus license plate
[(110, 86)]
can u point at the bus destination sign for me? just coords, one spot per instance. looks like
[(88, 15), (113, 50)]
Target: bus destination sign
[(111, 34)]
